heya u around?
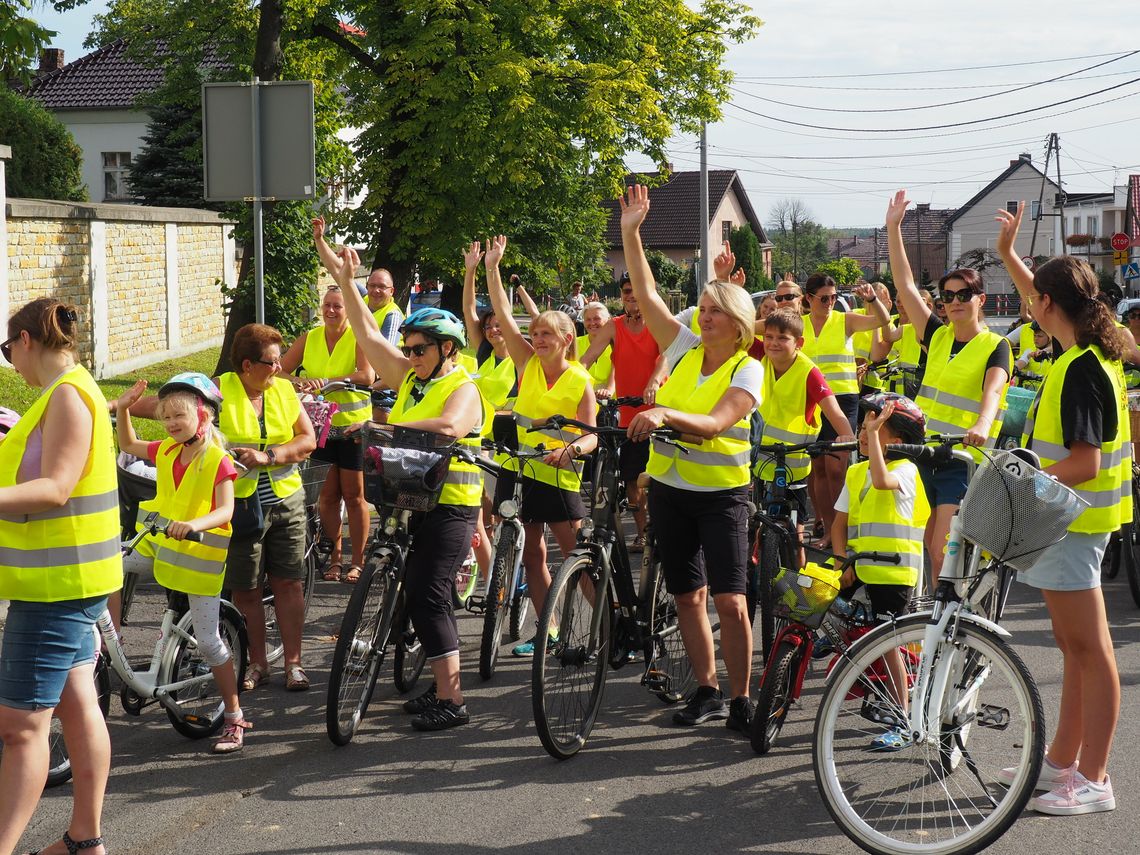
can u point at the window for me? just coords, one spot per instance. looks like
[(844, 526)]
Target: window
[(1011, 207), (1094, 226), (1034, 210), (1076, 225), (116, 165), (725, 229)]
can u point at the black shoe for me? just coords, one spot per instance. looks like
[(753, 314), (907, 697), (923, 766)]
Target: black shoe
[(740, 713), (418, 705), (442, 715), (706, 703)]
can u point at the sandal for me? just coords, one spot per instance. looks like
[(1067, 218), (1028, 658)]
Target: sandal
[(255, 675), (353, 574), (73, 846), (233, 737), (333, 573), (638, 544), (295, 679)]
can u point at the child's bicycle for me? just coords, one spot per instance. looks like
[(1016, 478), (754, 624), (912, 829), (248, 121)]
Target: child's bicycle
[(970, 722)]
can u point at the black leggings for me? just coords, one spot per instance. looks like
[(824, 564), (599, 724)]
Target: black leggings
[(441, 540)]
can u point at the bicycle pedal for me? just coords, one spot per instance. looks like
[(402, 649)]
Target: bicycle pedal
[(995, 718), (190, 718), (656, 681), (476, 604)]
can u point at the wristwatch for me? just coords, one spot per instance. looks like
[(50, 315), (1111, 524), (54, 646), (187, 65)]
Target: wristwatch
[(272, 455), (576, 450)]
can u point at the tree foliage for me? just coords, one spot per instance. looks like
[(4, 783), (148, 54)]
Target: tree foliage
[(799, 243), (749, 257), (845, 271), (21, 40), (668, 275), (46, 161), (168, 168)]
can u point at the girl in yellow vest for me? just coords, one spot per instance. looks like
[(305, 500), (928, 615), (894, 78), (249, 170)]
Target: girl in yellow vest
[(195, 493), (967, 373), (699, 501), (829, 343), (435, 394), (551, 382), (1078, 425), (325, 353), (883, 508), (1037, 359), (901, 342), (59, 559)]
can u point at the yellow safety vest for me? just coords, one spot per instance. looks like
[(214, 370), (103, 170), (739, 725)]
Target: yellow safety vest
[(466, 360), (908, 350), (951, 393), (496, 381), (1025, 339), (1040, 367), (385, 310), (875, 524), (603, 365), (862, 342), (695, 320), (71, 552), (1109, 494), (240, 426), (720, 463), (783, 408), (833, 352), (464, 483), (352, 407), (536, 403), (184, 565)]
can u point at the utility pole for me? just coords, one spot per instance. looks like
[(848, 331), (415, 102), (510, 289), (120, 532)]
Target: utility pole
[(795, 252), (1056, 141), (918, 240), (703, 266)]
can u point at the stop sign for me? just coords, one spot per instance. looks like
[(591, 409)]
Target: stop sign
[(1120, 241)]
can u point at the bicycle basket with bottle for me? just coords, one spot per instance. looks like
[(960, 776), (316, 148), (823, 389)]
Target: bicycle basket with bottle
[(404, 468), (805, 595)]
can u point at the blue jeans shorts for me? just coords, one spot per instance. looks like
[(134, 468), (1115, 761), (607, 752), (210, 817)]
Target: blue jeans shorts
[(1071, 565), (42, 643)]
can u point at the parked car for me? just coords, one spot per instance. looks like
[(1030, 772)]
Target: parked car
[(1125, 306)]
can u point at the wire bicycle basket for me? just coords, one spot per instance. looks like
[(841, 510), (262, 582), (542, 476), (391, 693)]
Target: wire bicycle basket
[(1015, 511), (805, 595), (405, 468)]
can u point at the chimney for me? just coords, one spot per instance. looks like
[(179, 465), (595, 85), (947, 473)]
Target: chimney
[(1024, 157), (923, 206), (51, 59)]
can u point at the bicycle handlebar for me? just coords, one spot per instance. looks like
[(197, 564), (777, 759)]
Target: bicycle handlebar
[(667, 435), (939, 454), (813, 447), (150, 528), (344, 386)]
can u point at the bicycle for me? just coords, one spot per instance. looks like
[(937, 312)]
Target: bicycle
[(377, 613), (595, 617), (969, 761)]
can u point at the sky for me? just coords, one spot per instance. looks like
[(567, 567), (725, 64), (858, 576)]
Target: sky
[(824, 56)]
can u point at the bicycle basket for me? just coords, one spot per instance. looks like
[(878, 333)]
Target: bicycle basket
[(805, 595), (404, 468), (1015, 511), (1017, 402), (313, 474), (320, 414)]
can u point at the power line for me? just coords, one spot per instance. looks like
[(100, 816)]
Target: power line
[(916, 88)]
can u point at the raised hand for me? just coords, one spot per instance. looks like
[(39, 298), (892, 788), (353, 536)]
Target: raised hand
[(737, 277), (1008, 228), (864, 291), (724, 263), (896, 208), (318, 228), (131, 395), (496, 246), (472, 256), (872, 422), (351, 260), (634, 207)]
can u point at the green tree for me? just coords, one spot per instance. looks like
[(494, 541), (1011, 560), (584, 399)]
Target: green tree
[(168, 168), (21, 40), (749, 257), (46, 161), (668, 275), (845, 271), (799, 243)]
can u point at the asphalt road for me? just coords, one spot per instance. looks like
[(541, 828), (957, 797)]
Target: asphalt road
[(639, 785)]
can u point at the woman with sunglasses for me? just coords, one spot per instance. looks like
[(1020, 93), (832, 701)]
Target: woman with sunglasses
[(325, 353), (59, 559), (967, 373), (1078, 425), (829, 343), (435, 394)]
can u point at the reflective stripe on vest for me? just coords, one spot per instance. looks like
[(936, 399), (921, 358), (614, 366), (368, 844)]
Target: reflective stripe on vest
[(600, 370), (185, 565), (1109, 493), (833, 352), (783, 409), (720, 463), (71, 552), (464, 483), (352, 407), (876, 524), (383, 312), (951, 393), (239, 424), (536, 403)]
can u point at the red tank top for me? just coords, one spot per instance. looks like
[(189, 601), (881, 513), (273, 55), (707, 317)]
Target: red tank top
[(634, 357)]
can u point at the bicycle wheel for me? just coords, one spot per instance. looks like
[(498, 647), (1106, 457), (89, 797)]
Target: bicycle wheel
[(670, 660), (59, 768), (777, 690), (202, 704), (496, 611), (520, 608), (1130, 547), (916, 799), (274, 649), (466, 580), (769, 567), (567, 680), (359, 651), (1113, 556), (409, 659)]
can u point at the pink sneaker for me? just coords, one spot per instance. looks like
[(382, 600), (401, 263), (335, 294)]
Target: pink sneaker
[(1050, 777), (1078, 796)]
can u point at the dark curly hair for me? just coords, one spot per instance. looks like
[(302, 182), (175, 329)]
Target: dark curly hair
[(1073, 286)]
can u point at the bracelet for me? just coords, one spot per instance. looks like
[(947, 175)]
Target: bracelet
[(872, 299)]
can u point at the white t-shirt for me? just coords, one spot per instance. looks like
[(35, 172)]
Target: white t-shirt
[(904, 496)]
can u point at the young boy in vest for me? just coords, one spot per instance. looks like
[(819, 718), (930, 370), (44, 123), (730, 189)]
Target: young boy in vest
[(883, 508)]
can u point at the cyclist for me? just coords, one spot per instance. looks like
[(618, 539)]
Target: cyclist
[(1039, 358), (594, 318), (1079, 427), (325, 353), (195, 493), (901, 341), (436, 394), (699, 500), (829, 343), (551, 382), (883, 508), (59, 542), (867, 341), (967, 373)]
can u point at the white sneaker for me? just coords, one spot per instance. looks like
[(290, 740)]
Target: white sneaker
[(1078, 796), (1050, 777)]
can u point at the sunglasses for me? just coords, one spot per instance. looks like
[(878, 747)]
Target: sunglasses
[(416, 349), (625, 292), (786, 298), (6, 347), (825, 298), (962, 295)]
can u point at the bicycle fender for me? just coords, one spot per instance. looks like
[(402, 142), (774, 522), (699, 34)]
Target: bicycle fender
[(985, 623)]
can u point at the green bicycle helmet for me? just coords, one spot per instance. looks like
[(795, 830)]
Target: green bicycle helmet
[(436, 323)]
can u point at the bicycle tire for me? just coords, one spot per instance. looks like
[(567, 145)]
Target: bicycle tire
[(775, 696), (202, 705), (496, 610), (908, 801), (669, 655), (1113, 556), (59, 768), (1130, 540), (466, 580), (359, 651), (769, 566), (408, 660), (520, 610), (274, 649), (567, 682)]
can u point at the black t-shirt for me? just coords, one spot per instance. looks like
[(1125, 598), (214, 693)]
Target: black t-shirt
[(1089, 410), (998, 359)]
